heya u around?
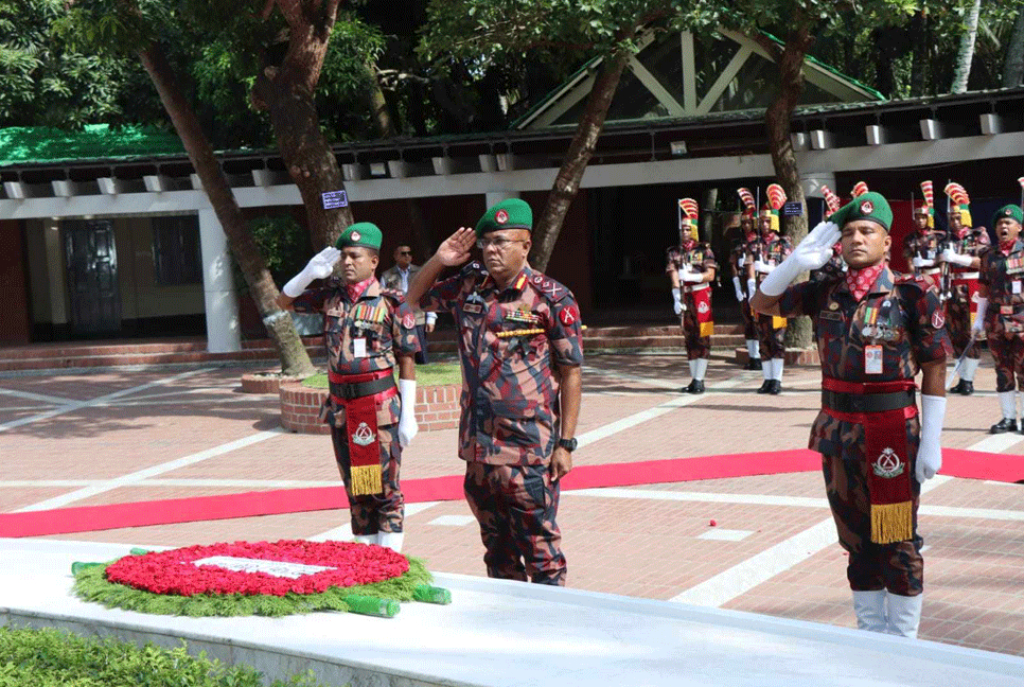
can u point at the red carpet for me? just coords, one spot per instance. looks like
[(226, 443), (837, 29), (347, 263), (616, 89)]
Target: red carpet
[(957, 463)]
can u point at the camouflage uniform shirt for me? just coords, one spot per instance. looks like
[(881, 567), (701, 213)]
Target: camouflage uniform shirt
[(999, 272), (510, 411), (909, 327)]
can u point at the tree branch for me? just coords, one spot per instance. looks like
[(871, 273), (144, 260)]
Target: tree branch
[(293, 12)]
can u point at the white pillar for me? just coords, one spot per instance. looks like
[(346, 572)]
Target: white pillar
[(222, 327), (495, 197)]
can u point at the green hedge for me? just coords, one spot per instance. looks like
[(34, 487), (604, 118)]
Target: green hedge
[(54, 658)]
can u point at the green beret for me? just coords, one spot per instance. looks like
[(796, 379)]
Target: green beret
[(1012, 211), (871, 206), (361, 234), (508, 214)]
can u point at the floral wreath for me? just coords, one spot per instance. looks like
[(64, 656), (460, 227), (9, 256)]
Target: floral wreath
[(259, 578)]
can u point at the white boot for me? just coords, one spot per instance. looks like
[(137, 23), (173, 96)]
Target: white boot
[(968, 369), (365, 538), (392, 540), (1008, 402), (701, 369), (753, 351), (766, 369), (904, 615), (870, 610), (777, 365)]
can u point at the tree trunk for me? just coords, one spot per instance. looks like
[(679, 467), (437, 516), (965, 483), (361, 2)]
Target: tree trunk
[(567, 183), (919, 35), (1013, 66), (966, 53), (777, 121), (294, 359), (305, 151), (379, 105), (707, 218)]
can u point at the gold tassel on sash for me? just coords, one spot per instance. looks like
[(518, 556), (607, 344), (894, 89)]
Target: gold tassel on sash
[(366, 480), (707, 329), (778, 322), (892, 522)]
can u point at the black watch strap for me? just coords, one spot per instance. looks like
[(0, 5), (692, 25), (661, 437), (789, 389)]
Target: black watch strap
[(568, 444)]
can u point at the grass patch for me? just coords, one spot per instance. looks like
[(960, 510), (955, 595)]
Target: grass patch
[(55, 658), (434, 374), (91, 584)]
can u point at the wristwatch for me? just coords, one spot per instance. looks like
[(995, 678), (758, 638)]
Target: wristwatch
[(568, 444)]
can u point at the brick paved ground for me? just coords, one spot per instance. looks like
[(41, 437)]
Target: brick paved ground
[(652, 541)]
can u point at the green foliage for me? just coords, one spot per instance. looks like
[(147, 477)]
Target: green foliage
[(55, 658), (283, 242), (43, 82), (91, 584)]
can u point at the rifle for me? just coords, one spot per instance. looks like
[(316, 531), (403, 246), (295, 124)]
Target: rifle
[(960, 361), (946, 272)]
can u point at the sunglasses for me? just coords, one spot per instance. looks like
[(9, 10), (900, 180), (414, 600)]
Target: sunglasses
[(405, 252)]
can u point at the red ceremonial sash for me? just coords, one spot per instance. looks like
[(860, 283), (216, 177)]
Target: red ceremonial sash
[(361, 429), (885, 447), (702, 306)]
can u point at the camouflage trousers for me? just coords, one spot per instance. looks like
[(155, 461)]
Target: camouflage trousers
[(383, 512), (896, 567), (749, 324), (516, 507), (771, 342), (697, 346), (958, 323), (1008, 353)]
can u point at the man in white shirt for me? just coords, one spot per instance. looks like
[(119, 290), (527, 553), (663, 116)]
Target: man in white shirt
[(398, 278)]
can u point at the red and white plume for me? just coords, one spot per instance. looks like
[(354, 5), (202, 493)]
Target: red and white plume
[(957, 193), (929, 193), (1020, 180), (859, 189), (689, 208), (748, 199), (776, 197), (831, 200)]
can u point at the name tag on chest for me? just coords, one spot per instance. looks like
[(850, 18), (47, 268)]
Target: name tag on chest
[(873, 360), (359, 347), (472, 308)]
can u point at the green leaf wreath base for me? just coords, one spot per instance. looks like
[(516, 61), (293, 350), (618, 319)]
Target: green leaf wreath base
[(91, 584)]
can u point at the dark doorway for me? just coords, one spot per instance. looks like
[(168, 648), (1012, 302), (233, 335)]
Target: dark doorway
[(92, 277)]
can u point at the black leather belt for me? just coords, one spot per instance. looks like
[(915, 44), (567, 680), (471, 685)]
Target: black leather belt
[(867, 403), (350, 392)]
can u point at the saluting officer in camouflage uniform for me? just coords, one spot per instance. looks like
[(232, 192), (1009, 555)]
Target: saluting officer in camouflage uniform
[(876, 328), (742, 248), (366, 330), (1001, 311), (521, 352), (691, 268), (964, 245), (769, 252)]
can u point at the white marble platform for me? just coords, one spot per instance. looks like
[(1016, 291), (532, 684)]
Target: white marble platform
[(508, 635)]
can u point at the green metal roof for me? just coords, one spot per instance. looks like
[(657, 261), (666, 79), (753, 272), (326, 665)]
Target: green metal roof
[(37, 144)]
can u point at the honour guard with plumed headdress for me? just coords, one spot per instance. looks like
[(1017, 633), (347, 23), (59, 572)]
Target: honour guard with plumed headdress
[(738, 260), (963, 246), (691, 268), (765, 255), (922, 249)]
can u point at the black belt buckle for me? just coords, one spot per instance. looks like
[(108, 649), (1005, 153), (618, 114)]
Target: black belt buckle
[(348, 391)]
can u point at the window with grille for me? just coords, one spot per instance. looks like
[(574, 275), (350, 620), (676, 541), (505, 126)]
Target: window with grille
[(176, 254)]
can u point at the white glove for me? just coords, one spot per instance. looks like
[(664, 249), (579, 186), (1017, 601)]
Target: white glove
[(929, 453), (739, 289), (677, 301), (431, 317), (812, 253), (763, 267), (918, 261), (951, 256), (687, 274), (979, 319), (742, 260), (320, 266), (407, 427), (751, 288)]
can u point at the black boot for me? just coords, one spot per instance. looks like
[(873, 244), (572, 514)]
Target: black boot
[(1003, 426), (958, 388), (688, 389), (968, 387), (696, 387), (766, 387), (776, 387), (754, 364)]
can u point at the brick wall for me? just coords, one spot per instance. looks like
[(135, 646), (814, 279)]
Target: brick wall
[(437, 407)]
